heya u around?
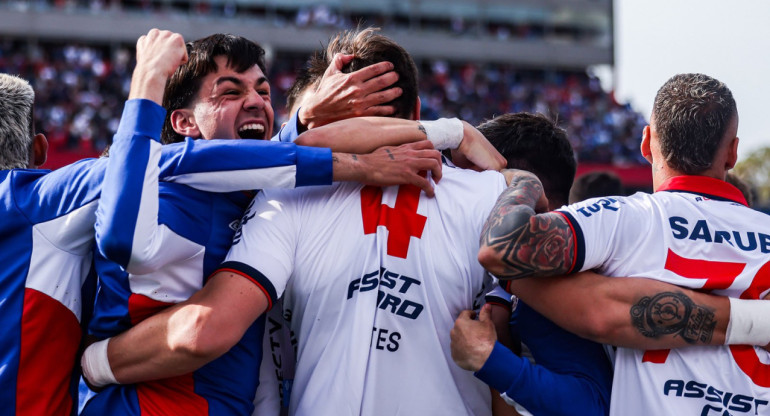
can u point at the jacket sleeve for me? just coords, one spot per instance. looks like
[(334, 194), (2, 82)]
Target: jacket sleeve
[(540, 390), (127, 216), (237, 165), (127, 229)]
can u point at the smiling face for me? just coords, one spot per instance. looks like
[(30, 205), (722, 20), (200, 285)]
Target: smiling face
[(229, 105)]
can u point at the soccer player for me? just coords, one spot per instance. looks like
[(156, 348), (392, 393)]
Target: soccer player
[(694, 231), (47, 232), (571, 372), (184, 235), (379, 317)]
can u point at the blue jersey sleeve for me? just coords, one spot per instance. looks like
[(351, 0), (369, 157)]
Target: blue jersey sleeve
[(129, 200), (237, 165), (539, 390), (127, 229), (289, 131), (572, 375), (44, 195)]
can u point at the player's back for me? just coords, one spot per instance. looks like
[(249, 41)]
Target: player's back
[(379, 277), (695, 232), (47, 234)]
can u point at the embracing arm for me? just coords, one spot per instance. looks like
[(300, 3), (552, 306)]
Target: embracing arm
[(365, 134), (644, 313), (181, 338), (516, 242), (539, 389)]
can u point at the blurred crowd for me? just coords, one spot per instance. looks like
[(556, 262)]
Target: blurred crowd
[(80, 92), (391, 14)]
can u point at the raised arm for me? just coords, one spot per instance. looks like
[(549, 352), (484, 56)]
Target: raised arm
[(517, 242), (128, 208), (644, 313)]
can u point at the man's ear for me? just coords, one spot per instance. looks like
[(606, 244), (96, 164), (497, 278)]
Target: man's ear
[(417, 105), (732, 154), (645, 146), (39, 150), (183, 122)]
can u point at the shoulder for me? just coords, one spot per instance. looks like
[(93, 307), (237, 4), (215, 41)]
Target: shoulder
[(463, 180)]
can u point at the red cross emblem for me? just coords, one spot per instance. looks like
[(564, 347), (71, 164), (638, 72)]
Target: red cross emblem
[(402, 221)]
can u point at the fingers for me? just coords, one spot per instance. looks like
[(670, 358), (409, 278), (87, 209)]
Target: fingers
[(380, 83), (338, 62), (430, 160), (465, 315), (424, 184), (378, 97), (486, 313), (379, 110), (158, 54), (419, 145), (371, 71)]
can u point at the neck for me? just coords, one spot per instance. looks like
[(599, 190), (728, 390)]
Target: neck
[(664, 173)]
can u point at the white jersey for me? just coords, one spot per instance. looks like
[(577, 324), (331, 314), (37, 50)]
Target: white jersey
[(372, 281), (696, 234)]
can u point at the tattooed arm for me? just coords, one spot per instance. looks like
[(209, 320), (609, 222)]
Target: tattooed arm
[(405, 164), (363, 134), (628, 312), (516, 242)]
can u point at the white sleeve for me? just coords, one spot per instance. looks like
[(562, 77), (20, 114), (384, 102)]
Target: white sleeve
[(264, 247), (596, 225)]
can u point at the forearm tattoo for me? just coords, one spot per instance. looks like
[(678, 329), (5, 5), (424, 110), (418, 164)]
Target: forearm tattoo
[(527, 244), (673, 313), (422, 129)]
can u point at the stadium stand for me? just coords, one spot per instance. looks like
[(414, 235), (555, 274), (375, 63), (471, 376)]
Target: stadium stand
[(81, 81)]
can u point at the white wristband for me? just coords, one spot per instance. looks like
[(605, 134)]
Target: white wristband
[(444, 133), (96, 365), (749, 322)]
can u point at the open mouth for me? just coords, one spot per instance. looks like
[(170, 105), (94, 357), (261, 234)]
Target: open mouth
[(252, 131)]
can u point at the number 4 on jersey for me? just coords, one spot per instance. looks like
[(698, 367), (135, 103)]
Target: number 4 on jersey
[(402, 221)]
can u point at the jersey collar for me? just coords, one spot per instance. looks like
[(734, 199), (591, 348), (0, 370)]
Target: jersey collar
[(705, 186)]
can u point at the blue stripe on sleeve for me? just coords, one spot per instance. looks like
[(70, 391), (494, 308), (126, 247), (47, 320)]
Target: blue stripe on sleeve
[(254, 275), (314, 166), (580, 242)]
